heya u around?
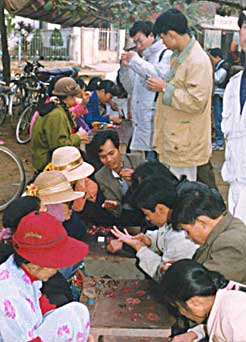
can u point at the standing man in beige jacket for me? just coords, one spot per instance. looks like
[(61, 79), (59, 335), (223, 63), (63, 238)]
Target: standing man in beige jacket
[(182, 129)]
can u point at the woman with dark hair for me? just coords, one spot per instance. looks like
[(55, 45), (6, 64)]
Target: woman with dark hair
[(17, 209), (103, 91), (206, 297)]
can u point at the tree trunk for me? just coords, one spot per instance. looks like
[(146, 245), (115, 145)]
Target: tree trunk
[(4, 41)]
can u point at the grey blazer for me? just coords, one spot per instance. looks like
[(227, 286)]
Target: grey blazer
[(110, 186)]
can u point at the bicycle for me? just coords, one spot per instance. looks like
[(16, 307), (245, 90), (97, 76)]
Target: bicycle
[(22, 133), (40, 79), (12, 177), (11, 101), (19, 95)]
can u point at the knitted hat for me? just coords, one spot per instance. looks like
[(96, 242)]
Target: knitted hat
[(66, 86)]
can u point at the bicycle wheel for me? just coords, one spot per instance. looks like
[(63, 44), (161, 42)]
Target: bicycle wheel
[(17, 104), (3, 108), (12, 177), (23, 126)]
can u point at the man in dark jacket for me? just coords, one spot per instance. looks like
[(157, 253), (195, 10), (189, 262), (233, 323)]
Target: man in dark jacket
[(115, 176)]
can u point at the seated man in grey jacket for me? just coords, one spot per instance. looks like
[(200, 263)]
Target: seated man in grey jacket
[(156, 196), (115, 176)]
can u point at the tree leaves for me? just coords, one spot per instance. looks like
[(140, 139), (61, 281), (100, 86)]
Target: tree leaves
[(122, 13)]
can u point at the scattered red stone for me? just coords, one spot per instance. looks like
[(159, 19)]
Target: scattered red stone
[(109, 294), (136, 316), (151, 308), (125, 290), (133, 301), (94, 230), (153, 317)]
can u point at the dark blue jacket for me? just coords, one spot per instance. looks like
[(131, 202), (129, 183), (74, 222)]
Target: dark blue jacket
[(94, 112)]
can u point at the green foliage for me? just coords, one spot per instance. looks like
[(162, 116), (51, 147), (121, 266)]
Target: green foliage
[(24, 28), (122, 13), (10, 22), (56, 38), (225, 10), (197, 12), (36, 43)]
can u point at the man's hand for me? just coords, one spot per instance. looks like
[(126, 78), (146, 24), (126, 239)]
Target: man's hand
[(144, 239), (127, 238), (167, 264), (108, 204), (115, 119), (114, 246), (155, 84), (131, 54), (127, 56), (124, 59), (127, 174), (187, 337), (86, 97), (84, 136)]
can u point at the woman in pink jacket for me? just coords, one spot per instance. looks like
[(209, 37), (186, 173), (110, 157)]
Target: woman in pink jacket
[(206, 298)]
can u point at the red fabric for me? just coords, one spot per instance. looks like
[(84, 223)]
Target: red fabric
[(37, 339), (45, 305), (78, 109), (41, 239)]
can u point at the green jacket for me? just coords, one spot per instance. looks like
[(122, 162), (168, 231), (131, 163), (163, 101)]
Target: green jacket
[(49, 132)]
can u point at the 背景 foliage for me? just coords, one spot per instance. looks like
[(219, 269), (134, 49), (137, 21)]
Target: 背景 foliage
[(123, 13)]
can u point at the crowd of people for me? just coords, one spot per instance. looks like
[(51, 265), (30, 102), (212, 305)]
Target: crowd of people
[(190, 244)]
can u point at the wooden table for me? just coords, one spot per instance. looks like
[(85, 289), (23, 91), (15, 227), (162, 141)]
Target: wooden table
[(128, 308), (100, 263)]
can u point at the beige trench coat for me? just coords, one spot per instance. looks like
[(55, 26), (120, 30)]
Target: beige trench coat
[(182, 128)]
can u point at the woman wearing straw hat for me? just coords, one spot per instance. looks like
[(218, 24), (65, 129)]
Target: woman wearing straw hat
[(57, 196), (41, 247), (54, 127), (68, 160)]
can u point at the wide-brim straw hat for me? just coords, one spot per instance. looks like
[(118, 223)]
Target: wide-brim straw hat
[(52, 187), (68, 160)]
